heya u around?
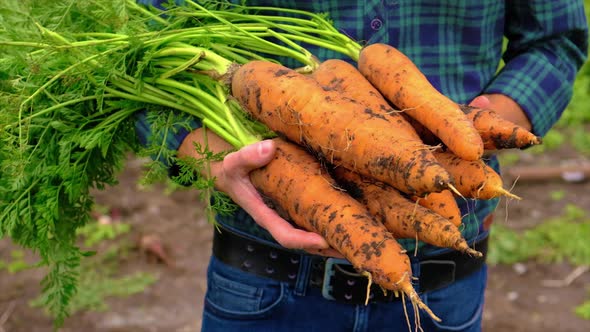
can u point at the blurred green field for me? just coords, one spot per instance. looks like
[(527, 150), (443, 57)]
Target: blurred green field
[(563, 237)]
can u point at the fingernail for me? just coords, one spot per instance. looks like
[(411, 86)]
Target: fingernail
[(323, 244), (484, 99), (264, 147)]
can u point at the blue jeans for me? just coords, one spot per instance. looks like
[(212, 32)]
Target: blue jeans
[(239, 301)]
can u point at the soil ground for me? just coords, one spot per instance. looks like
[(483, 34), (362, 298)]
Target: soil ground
[(516, 299)]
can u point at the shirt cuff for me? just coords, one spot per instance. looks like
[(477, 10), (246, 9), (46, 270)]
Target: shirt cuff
[(539, 88)]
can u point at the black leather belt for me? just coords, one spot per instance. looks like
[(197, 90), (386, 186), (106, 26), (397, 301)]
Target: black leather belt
[(336, 277)]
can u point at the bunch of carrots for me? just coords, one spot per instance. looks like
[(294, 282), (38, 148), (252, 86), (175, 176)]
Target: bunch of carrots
[(343, 128), (368, 150)]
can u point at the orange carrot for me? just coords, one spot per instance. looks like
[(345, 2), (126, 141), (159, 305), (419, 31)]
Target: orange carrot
[(308, 196), (497, 132), (400, 81), (339, 75), (402, 217), (473, 179), (425, 135), (340, 130), (442, 203)]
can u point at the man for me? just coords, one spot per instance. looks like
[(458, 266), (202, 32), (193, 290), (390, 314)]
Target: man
[(266, 275)]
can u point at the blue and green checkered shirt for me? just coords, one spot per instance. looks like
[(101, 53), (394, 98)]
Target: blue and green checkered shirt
[(458, 45)]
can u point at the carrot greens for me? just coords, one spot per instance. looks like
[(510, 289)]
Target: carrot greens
[(74, 77)]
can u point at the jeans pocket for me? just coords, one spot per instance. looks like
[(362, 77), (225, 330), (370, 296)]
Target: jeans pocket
[(459, 305), (238, 299)]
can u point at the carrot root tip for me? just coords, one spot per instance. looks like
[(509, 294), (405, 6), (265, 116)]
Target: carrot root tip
[(424, 307), (370, 279), (473, 252), (407, 289), (463, 247), (415, 299), (509, 194), (454, 190)]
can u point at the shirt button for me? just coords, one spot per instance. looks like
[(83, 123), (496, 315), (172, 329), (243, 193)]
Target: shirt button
[(376, 24)]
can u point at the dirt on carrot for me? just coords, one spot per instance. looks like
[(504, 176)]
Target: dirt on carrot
[(443, 204), (339, 75), (473, 179), (424, 133), (498, 133), (401, 216), (307, 195), (340, 130), (403, 84)]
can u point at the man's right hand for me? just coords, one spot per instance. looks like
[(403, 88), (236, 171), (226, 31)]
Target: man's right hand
[(232, 177)]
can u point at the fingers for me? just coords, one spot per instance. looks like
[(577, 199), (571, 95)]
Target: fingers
[(293, 238), (250, 157), (235, 181), (480, 102), (506, 107), (330, 252), (280, 229)]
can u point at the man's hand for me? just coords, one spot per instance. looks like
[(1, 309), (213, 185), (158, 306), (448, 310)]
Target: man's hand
[(505, 106), (232, 178)]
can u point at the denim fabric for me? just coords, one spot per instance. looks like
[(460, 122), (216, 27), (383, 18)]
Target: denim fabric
[(240, 301)]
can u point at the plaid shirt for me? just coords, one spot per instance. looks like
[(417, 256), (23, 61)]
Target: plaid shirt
[(458, 46)]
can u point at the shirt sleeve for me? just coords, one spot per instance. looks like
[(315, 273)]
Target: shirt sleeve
[(547, 44)]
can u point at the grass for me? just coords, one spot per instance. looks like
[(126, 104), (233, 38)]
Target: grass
[(583, 310), (94, 233), (99, 279), (16, 263), (563, 238), (96, 286), (573, 126), (559, 239), (557, 195)]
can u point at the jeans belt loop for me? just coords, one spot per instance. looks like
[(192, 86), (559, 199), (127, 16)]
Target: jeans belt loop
[(303, 275), (416, 273), (440, 265)]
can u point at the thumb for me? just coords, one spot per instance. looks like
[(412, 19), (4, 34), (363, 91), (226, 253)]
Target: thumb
[(480, 102), (250, 157)]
